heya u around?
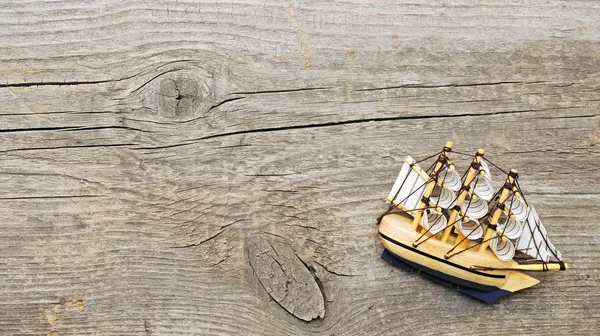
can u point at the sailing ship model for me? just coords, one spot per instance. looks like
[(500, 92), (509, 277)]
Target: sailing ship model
[(459, 232)]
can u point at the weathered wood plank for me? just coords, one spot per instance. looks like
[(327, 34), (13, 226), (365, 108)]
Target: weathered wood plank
[(150, 149)]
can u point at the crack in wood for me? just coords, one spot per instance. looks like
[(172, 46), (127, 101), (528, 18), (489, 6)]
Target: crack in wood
[(334, 272), (422, 86), (360, 121), (225, 101), (282, 91), (68, 129), (49, 197), (202, 241), (67, 147), (54, 83), (211, 237)]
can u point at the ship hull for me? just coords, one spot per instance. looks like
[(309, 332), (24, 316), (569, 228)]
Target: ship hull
[(488, 294), (398, 236)]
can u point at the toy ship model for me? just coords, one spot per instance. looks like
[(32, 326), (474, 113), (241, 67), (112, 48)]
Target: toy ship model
[(456, 231)]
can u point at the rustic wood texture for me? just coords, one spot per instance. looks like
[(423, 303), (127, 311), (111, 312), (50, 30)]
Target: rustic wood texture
[(200, 167)]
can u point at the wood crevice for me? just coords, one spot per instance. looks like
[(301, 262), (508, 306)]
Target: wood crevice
[(454, 85)]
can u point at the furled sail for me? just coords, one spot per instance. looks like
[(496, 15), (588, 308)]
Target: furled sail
[(534, 239), (433, 221), (503, 248), (475, 207), (451, 178), (486, 169), (409, 186), (446, 198), (482, 187), (517, 207), (510, 227), (472, 229)]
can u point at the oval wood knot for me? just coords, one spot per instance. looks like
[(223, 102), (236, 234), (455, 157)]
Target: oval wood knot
[(184, 95), (286, 278)]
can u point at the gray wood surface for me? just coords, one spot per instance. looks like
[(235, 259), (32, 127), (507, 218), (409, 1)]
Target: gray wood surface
[(216, 167)]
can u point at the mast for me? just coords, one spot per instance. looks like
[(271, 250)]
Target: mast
[(431, 184), (506, 191), (473, 171)]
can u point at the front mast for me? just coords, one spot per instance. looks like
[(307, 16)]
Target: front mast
[(431, 184)]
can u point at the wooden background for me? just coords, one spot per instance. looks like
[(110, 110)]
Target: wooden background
[(217, 167)]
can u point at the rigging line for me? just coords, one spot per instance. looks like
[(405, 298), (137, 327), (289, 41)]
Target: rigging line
[(426, 239), (462, 178), (414, 191), (423, 234), (419, 209), (429, 157), (461, 153), (430, 169), (486, 159), (497, 167), (470, 247), (520, 190)]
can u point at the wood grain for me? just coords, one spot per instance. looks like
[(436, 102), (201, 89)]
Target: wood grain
[(148, 149)]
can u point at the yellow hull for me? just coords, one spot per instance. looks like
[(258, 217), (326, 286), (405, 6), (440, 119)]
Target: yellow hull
[(398, 236)]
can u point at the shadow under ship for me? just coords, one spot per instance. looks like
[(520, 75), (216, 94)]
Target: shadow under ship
[(458, 232)]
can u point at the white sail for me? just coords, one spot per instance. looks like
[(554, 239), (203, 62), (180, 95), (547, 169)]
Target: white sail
[(551, 248), (446, 198), (451, 178), (482, 187), (517, 207), (503, 248), (486, 169), (409, 186), (433, 221), (472, 229), (510, 227), (475, 208), (534, 239)]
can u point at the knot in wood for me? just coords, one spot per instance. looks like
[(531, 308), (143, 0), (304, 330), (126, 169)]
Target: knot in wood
[(184, 95)]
